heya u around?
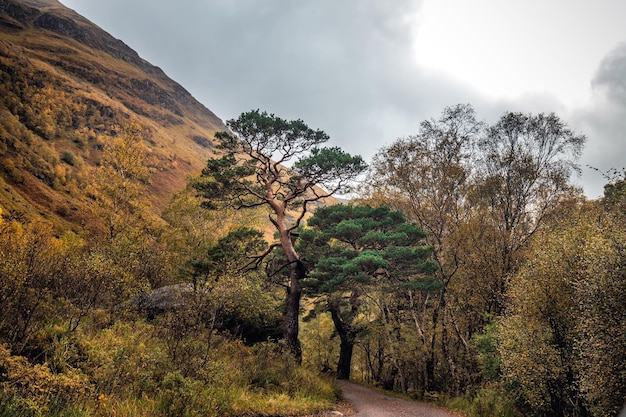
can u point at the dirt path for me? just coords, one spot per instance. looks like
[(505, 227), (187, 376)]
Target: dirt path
[(370, 403)]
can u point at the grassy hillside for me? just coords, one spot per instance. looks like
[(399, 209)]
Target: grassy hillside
[(67, 88)]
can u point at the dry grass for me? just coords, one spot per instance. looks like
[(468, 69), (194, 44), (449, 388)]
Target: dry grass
[(76, 79)]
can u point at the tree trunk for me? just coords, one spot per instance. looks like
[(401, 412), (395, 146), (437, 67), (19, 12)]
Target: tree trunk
[(345, 359), (431, 360), (292, 311), (346, 347), (445, 351)]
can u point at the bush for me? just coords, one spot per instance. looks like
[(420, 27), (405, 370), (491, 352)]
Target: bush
[(492, 402), (27, 389), (487, 402), (181, 396), (68, 157)]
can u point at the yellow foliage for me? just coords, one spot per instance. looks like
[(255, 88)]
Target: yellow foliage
[(120, 180), (37, 383), (564, 318), (320, 350)]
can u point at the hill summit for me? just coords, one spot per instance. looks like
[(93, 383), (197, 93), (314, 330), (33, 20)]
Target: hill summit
[(67, 89)]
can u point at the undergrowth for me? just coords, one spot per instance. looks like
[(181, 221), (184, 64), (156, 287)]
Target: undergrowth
[(125, 370), (490, 401)]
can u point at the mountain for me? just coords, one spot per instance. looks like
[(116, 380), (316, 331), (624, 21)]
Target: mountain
[(67, 88)]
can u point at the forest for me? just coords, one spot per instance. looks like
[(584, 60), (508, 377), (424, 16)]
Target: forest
[(465, 270)]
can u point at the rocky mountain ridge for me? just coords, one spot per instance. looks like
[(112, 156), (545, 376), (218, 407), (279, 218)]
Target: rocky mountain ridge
[(66, 89)]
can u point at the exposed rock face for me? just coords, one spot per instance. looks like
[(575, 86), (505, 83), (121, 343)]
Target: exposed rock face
[(164, 299), (60, 25), (179, 297), (66, 22), (18, 13)]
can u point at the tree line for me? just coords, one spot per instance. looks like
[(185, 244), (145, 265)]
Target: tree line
[(469, 267), (435, 272), (509, 235)]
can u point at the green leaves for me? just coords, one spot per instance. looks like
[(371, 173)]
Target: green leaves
[(365, 227), (224, 181), (358, 244), (269, 135), (330, 167), (252, 170), (354, 253)]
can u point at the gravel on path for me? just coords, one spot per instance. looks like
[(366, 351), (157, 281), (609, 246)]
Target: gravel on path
[(371, 403)]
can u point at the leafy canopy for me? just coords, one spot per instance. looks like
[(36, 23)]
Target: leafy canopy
[(253, 168), (347, 245)]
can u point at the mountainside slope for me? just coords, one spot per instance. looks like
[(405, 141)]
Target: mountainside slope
[(66, 89)]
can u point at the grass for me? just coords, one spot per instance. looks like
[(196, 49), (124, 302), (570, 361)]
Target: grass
[(124, 370), (490, 401)]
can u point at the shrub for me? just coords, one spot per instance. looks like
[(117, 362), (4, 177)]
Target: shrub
[(179, 395), (492, 402), (487, 402), (68, 157), (202, 141), (29, 388)]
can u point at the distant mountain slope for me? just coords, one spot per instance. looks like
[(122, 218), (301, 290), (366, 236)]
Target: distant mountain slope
[(66, 88)]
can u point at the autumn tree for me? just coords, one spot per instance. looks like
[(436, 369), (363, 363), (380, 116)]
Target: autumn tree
[(135, 237), (615, 191), (120, 178), (427, 176), (355, 250), (602, 305), (525, 166), (50, 279), (481, 193), (30, 265), (252, 172), (561, 340), (192, 230)]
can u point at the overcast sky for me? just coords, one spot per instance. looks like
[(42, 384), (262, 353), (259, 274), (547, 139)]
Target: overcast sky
[(369, 71)]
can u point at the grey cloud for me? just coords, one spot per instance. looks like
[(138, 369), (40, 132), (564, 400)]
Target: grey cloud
[(604, 121), (346, 67), (610, 78)]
